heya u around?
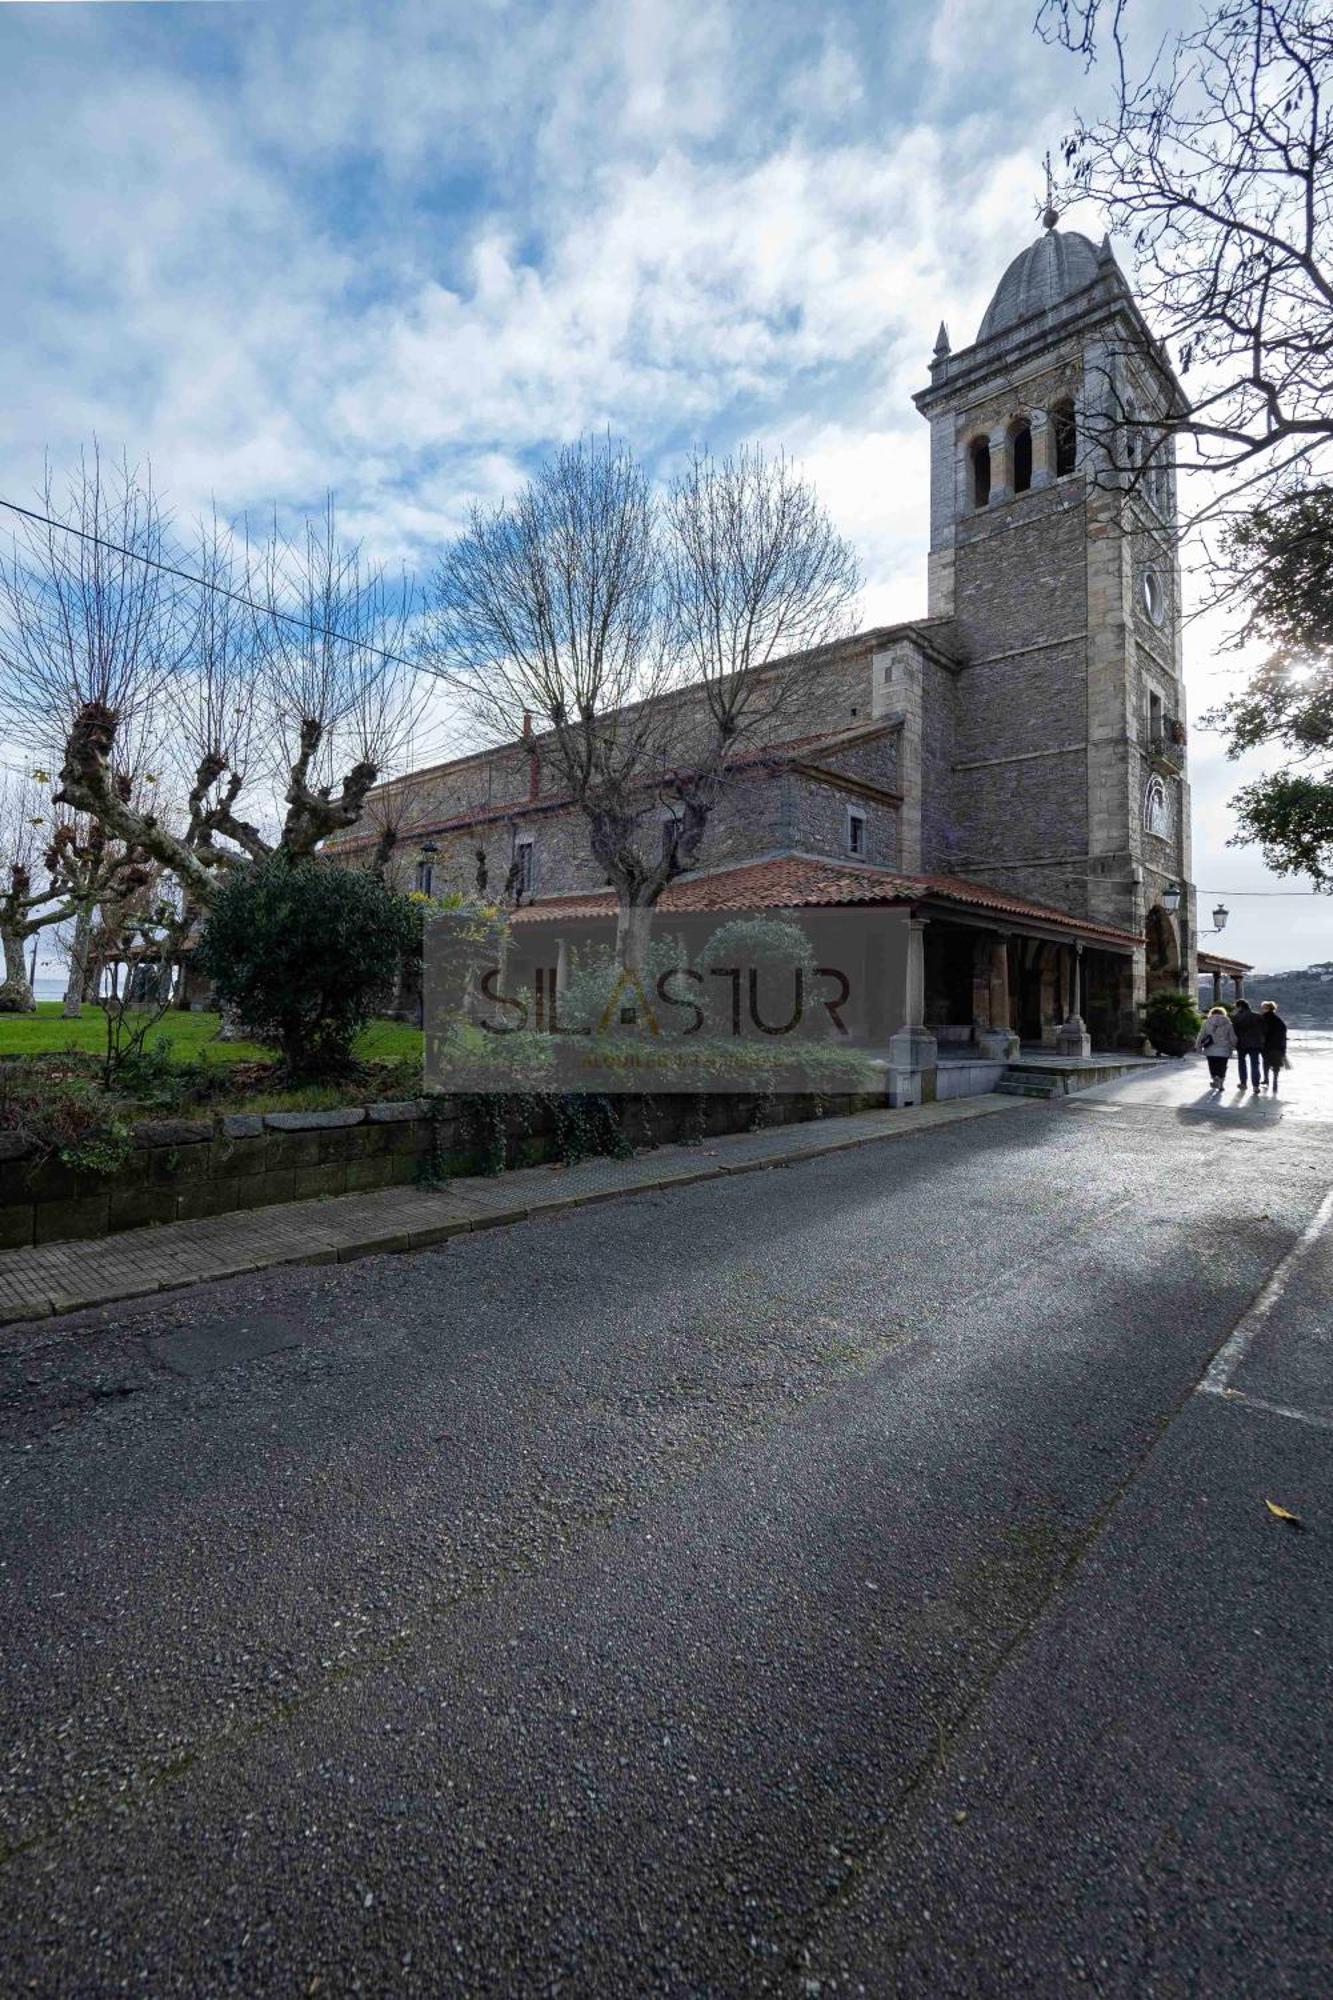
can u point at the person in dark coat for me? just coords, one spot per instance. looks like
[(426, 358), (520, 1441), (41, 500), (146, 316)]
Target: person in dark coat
[(1249, 1031), (1275, 1042)]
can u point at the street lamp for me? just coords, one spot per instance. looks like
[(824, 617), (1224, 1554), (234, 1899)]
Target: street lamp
[(1171, 898), (1220, 915)]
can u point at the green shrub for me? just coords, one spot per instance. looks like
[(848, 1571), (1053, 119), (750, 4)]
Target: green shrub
[(1171, 1020), (302, 953), (68, 1115)]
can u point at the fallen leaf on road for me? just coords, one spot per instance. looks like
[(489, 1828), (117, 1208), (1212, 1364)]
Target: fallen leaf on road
[(1284, 1514)]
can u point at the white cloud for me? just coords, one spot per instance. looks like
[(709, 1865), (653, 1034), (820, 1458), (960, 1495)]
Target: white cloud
[(393, 251)]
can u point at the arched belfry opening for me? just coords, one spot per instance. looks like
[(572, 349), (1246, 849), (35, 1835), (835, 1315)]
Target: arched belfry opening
[(1020, 441), (1066, 438), (979, 461)]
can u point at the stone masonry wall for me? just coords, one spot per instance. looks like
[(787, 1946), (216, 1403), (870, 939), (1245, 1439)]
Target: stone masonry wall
[(1020, 777), (760, 813), (185, 1168)]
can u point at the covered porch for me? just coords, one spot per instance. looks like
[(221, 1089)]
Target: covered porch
[(962, 978), (1213, 969), (988, 984)]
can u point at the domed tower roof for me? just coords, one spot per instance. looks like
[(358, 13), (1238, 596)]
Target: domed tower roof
[(1054, 268)]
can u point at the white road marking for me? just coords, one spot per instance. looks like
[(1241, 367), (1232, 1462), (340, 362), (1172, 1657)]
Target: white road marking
[(1277, 1409), (1229, 1356)]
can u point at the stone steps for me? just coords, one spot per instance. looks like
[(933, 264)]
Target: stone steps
[(1029, 1078)]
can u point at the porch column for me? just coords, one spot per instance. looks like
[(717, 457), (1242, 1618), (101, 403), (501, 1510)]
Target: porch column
[(990, 987), (1052, 1012), (1072, 1038), (913, 1050), (1217, 986), (1238, 981)]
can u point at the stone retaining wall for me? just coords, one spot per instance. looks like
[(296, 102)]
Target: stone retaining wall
[(182, 1168)]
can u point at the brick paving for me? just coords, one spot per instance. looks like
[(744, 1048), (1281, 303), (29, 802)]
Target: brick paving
[(64, 1277)]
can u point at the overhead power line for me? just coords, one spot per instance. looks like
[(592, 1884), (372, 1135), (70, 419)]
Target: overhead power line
[(202, 583)]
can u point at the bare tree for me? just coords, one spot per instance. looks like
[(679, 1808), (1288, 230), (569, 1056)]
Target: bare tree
[(276, 676), (648, 636), (1217, 163), (30, 900)]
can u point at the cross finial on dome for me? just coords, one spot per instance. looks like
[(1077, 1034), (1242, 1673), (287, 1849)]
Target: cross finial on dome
[(1050, 215)]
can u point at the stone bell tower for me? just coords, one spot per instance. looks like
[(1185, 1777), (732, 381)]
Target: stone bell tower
[(1053, 551)]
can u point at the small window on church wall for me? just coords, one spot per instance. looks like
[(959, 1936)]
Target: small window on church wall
[(1066, 438), (856, 833), (1157, 809), (1022, 448), (980, 472)]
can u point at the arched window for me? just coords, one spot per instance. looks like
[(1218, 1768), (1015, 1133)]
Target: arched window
[(1066, 438), (1157, 809), (979, 453), (1131, 434), (1021, 446)]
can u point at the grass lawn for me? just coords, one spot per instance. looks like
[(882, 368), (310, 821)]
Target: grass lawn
[(190, 1035)]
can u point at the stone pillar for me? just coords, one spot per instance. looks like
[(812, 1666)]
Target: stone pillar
[(897, 692), (990, 987), (1001, 466), (1043, 448), (1072, 1037), (913, 1050), (1217, 987), (1238, 982), (1052, 1011)]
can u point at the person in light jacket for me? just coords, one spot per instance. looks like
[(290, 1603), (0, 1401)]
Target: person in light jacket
[(1248, 1028), (1217, 1039), (1275, 1041)]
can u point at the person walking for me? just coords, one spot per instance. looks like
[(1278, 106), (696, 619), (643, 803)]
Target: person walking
[(1275, 1042), (1248, 1028), (1217, 1038)]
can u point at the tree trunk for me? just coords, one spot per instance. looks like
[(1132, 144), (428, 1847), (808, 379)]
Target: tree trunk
[(634, 923), (231, 1028), (16, 996), (78, 964)]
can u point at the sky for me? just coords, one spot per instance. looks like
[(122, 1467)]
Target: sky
[(400, 251)]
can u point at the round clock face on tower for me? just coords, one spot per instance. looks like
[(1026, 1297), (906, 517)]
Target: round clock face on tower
[(1154, 597)]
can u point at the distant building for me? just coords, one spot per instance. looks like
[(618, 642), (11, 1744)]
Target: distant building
[(1011, 767)]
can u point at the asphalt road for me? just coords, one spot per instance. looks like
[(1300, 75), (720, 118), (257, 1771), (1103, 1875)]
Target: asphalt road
[(846, 1579)]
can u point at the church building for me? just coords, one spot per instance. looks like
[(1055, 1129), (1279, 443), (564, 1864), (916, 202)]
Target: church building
[(1009, 768)]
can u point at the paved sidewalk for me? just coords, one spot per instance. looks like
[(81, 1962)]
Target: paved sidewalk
[(65, 1277)]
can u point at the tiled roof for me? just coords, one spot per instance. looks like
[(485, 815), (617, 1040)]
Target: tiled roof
[(1213, 961), (800, 881)]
